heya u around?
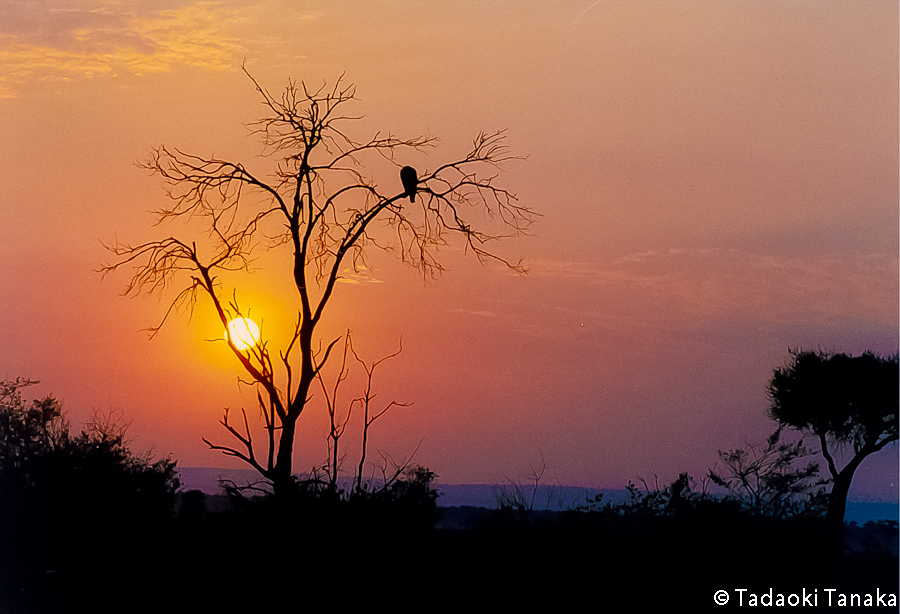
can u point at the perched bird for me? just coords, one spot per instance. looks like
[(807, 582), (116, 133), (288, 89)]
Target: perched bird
[(410, 180)]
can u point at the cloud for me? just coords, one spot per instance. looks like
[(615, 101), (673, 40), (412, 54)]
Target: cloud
[(563, 268), (40, 43), (357, 276), (638, 257), (480, 313), (729, 283), (37, 25)]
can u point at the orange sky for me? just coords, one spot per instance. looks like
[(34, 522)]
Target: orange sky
[(718, 182)]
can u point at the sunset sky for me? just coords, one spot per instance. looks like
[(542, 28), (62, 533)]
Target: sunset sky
[(718, 183)]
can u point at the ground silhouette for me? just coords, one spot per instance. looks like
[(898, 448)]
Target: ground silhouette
[(665, 551), (87, 525)]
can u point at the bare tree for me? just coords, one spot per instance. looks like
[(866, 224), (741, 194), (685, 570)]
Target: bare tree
[(338, 422), (320, 203), (518, 497)]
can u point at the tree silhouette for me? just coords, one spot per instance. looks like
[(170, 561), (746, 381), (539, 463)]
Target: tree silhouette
[(771, 480), (68, 498), (846, 402), (338, 423), (43, 463), (320, 204)]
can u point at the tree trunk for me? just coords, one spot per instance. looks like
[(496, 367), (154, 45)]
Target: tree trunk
[(837, 506), (837, 502), (283, 481)]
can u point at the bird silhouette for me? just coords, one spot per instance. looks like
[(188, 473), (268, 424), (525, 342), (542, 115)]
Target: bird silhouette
[(410, 179)]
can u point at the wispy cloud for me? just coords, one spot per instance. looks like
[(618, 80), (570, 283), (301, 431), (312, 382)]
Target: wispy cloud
[(41, 43), (358, 276), (480, 313), (733, 283)]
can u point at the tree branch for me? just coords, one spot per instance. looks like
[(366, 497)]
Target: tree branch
[(321, 201)]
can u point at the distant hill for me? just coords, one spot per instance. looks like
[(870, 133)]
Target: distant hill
[(452, 495), (486, 495), (207, 478)]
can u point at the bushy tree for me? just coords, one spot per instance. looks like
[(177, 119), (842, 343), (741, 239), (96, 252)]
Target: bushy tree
[(775, 479), (43, 462), (848, 403), (68, 499), (416, 486), (684, 496), (29, 432)]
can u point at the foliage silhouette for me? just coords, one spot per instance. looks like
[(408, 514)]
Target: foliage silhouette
[(768, 481), (320, 204), (415, 491), (680, 539), (846, 402), (87, 526), (383, 552), (67, 499)]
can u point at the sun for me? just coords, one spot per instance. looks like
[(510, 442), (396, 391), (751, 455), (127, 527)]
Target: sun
[(244, 333)]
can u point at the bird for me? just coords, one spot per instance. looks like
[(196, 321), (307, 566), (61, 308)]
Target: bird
[(410, 179)]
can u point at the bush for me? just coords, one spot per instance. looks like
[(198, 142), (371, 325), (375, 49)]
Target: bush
[(69, 500)]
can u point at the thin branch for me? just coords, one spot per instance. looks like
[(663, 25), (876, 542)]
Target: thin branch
[(320, 201)]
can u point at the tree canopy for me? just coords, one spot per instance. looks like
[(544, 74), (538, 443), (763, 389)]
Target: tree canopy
[(71, 502), (45, 467), (844, 399)]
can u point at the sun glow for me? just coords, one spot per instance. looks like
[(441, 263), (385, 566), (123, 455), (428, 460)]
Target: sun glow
[(243, 332)]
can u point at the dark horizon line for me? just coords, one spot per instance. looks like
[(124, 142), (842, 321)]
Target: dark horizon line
[(523, 483)]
